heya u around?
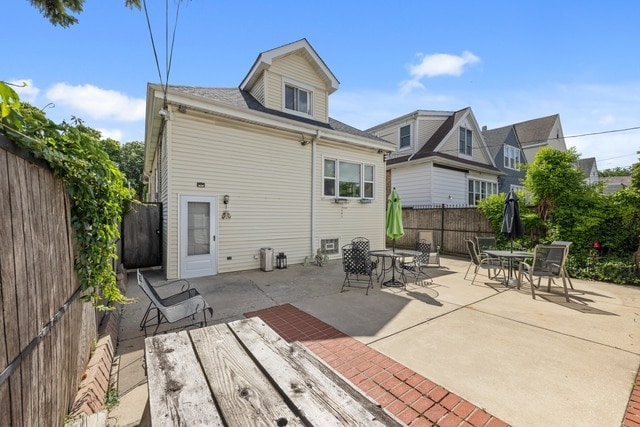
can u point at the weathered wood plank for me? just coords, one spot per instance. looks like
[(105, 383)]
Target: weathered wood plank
[(321, 401), (17, 335), (7, 280), (243, 394), (178, 392)]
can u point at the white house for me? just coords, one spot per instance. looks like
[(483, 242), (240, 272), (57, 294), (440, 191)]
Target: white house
[(440, 158), (259, 166)]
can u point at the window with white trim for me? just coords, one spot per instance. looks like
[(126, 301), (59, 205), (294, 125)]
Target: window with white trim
[(298, 99), (511, 156), (405, 136), (348, 179), (466, 141), (479, 190)]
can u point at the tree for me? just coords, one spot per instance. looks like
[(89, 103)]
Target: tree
[(553, 179), (617, 171), (132, 163), (59, 12), (635, 175)]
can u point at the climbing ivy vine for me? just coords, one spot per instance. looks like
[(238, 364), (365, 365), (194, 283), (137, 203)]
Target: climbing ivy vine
[(96, 186)]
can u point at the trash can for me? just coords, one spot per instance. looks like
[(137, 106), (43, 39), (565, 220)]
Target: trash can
[(266, 259)]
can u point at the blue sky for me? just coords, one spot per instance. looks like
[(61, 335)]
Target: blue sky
[(509, 61)]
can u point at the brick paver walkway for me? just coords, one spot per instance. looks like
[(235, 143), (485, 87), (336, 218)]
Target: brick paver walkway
[(406, 394)]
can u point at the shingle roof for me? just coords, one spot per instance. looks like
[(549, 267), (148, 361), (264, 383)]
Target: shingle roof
[(535, 131), (615, 183), (495, 138), (587, 165), (239, 98)]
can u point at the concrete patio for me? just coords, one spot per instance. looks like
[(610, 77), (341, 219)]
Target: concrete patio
[(527, 362)]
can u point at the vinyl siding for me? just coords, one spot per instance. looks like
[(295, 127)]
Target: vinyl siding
[(352, 219), (426, 128), (413, 183), (163, 195), (424, 184), (268, 181), (267, 175), (258, 90), (447, 182), (297, 69)]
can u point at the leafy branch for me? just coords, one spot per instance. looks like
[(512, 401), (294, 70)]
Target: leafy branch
[(96, 186)]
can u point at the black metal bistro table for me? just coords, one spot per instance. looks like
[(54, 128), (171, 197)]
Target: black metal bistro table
[(509, 256), (394, 255)]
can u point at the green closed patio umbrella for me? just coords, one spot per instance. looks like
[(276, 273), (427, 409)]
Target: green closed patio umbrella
[(394, 217)]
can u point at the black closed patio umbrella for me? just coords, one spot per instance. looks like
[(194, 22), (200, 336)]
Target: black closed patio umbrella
[(511, 222)]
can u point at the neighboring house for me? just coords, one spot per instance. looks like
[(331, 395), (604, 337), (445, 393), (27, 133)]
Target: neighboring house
[(590, 170), (615, 183), (508, 156), (244, 171), (440, 157), (537, 133)]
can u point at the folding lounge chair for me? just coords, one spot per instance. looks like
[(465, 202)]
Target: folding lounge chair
[(186, 303)]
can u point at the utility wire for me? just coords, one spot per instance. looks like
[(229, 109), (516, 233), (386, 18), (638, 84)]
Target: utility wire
[(153, 43)]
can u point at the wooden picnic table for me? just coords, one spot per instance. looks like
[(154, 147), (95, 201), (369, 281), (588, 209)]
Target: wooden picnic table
[(244, 374)]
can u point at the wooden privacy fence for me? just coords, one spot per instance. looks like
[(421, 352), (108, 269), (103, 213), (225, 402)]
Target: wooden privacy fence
[(450, 226), (45, 332)]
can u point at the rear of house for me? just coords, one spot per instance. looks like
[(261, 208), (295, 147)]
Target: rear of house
[(260, 166)]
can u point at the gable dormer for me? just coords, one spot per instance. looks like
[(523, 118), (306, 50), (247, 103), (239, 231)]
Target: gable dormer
[(292, 79)]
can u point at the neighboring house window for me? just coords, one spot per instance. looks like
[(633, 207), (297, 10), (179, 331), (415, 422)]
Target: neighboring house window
[(348, 179), (511, 157), (479, 190), (466, 142), (516, 187), (297, 99), (405, 136)]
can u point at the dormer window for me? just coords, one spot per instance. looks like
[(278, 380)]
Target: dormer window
[(405, 136), (298, 99)]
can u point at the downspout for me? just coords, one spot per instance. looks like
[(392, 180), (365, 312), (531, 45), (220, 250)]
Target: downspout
[(313, 193)]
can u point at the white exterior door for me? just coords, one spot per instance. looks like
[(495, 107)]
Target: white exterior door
[(198, 248)]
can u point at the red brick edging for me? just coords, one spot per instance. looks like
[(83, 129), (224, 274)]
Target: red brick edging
[(409, 396), (632, 415)]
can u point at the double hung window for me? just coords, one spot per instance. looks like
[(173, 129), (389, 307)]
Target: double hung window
[(297, 99), (511, 157), (466, 142), (348, 179), (405, 136)]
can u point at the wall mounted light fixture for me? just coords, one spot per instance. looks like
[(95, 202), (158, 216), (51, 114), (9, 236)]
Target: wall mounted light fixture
[(225, 199)]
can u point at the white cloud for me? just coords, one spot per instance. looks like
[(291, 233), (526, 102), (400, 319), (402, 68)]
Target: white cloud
[(442, 64), (25, 89), (116, 134), (97, 103), (437, 64)]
